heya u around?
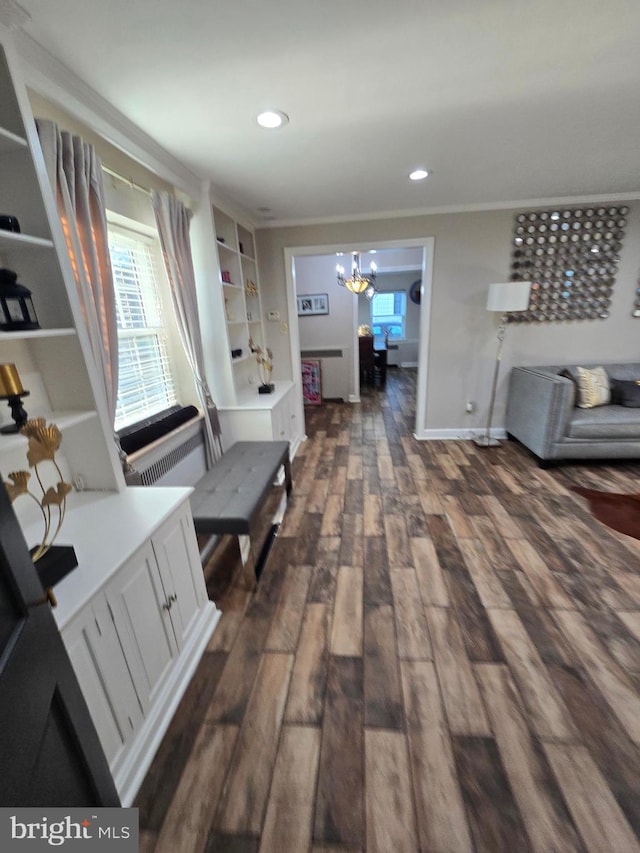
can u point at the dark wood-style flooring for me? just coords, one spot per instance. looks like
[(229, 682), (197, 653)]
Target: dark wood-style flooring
[(443, 654)]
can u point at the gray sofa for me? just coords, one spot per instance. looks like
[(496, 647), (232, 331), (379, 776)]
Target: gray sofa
[(542, 414)]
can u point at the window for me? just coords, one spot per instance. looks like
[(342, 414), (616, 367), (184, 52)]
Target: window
[(388, 314), (146, 385)]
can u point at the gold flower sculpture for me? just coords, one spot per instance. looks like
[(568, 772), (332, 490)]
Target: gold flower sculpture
[(44, 440), (265, 362)]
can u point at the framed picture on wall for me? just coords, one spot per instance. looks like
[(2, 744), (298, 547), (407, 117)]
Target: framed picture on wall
[(313, 303)]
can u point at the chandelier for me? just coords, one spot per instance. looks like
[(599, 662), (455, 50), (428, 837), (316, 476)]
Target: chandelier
[(358, 282)]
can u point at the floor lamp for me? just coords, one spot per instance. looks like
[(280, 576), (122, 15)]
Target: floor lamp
[(505, 298)]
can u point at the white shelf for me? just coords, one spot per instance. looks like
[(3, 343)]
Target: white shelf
[(37, 334), (241, 359), (63, 420), (236, 322), (11, 240), (10, 141), (232, 286)]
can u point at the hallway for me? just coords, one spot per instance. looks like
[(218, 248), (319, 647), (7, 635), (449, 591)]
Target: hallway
[(443, 654)]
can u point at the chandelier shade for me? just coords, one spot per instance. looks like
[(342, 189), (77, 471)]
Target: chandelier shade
[(358, 282)]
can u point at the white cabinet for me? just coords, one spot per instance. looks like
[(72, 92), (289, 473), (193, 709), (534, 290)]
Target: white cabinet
[(140, 610), (135, 626), (95, 651), (175, 546), (260, 417)]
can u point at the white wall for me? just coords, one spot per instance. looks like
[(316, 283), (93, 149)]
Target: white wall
[(317, 274), (471, 250)]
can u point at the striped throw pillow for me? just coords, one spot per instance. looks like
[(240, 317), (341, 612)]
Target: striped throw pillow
[(593, 387)]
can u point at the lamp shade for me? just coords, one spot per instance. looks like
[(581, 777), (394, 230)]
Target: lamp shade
[(10, 384), (508, 296)]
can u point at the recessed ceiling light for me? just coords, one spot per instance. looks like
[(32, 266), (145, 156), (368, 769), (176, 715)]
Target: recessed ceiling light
[(272, 119), (418, 175)]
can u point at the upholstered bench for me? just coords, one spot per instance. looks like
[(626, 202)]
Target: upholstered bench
[(230, 496)]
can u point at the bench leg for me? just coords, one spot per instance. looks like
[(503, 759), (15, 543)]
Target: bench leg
[(249, 555), (287, 476)]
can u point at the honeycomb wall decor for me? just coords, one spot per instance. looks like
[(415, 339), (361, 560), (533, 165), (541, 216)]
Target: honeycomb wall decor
[(571, 257)]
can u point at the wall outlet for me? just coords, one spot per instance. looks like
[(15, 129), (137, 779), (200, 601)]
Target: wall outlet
[(470, 407), (273, 315)]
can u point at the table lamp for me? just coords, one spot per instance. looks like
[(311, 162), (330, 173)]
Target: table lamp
[(11, 390)]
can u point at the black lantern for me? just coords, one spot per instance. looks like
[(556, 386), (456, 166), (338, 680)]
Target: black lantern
[(17, 313)]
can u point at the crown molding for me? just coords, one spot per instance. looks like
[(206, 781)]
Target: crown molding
[(50, 78), (477, 207)]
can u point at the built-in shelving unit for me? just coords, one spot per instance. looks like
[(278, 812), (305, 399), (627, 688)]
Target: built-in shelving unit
[(52, 360), (242, 303), (238, 316), (134, 616)]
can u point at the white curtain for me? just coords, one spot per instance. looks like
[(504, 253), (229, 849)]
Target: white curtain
[(172, 218), (75, 173)]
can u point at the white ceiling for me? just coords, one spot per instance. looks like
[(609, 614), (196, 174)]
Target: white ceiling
[(505, 100)]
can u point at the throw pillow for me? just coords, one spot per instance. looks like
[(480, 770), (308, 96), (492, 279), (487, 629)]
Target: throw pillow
[(625, 392), (593, 387)]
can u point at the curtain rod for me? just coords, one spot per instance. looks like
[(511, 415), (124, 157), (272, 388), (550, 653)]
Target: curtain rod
[(129, 181)]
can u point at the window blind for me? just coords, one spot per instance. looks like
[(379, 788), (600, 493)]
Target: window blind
[(145, 384)]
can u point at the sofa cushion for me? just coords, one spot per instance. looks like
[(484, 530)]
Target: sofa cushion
[(593, 387), (625, 392), (604, 422)]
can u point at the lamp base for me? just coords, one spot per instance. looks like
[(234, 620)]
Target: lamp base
[(486, 441), (18, 412), (55, 564)]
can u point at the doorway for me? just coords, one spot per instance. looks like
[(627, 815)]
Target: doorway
[(347, 311)]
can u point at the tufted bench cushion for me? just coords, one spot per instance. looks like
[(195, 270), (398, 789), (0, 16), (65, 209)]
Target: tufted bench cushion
[(229, 496)]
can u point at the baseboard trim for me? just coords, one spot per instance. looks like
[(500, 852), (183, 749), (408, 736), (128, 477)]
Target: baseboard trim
[(465, 434)]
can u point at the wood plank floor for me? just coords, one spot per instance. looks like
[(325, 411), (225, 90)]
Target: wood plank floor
[(443, 654)]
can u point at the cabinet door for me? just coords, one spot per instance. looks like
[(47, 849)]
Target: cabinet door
[(291, 417), (176, 550), (99, 663), (279, 420), (284, 419), (141, 612)]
